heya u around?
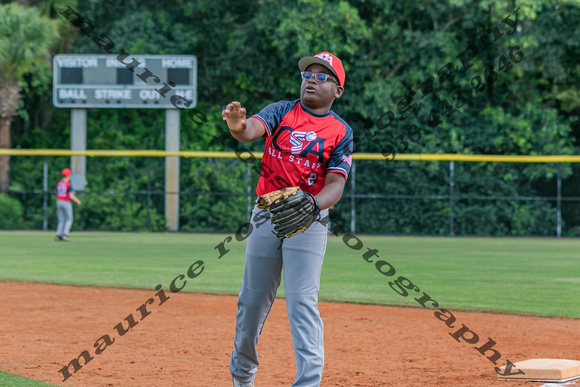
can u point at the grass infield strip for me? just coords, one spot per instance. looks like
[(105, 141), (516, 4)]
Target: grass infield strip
[(510, 275), (19, 381)]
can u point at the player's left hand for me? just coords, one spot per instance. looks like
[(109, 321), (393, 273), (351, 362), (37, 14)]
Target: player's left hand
[(292, 209)]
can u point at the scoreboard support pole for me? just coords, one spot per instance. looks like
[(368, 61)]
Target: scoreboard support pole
[(78, 142), (172, 132)]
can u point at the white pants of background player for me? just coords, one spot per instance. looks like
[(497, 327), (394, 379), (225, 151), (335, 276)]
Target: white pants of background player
[(301, 259), (64, 213)]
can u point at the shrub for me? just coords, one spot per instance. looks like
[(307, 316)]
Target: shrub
[(10, 212)]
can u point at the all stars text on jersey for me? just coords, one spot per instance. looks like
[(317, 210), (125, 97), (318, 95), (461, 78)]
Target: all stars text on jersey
[(293, 159)]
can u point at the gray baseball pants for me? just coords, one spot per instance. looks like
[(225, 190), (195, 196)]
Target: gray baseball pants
[(301, 259), (64, 213)]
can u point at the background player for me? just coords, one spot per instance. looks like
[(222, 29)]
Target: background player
[(64, 210), (309, 146)]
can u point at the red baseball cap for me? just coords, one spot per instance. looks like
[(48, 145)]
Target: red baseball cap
[(326, 59), (65, 172)]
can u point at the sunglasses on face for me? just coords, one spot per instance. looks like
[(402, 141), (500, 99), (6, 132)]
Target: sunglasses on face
[(320, 77)]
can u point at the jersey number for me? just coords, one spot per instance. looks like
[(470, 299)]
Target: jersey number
[(61, 191), (312, 179)]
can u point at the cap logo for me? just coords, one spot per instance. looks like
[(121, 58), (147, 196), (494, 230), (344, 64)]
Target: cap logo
[(325, 57)]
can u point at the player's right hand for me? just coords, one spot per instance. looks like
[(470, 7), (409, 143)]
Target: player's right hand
[(235, 115)]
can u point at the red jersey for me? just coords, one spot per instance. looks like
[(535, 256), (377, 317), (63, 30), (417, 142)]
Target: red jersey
[(63, 191), (302, 147)]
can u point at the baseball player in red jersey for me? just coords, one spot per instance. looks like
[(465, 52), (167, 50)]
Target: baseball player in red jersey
[(64, 211), (308, 146)]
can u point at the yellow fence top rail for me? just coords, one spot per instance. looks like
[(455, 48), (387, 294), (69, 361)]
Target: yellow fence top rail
[(244, 155)]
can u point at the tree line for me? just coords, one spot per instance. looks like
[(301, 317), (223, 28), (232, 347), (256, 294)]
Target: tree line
[(454, 65)]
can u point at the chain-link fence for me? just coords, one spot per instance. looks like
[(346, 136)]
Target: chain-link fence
[(419, 197)]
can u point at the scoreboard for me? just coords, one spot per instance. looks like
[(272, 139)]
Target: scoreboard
[(102, 81)]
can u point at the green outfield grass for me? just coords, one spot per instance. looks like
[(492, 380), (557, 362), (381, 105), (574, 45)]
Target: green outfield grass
[(525, 276), (19, 381)]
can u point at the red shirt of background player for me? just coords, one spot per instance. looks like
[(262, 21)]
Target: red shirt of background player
[(63, 191)]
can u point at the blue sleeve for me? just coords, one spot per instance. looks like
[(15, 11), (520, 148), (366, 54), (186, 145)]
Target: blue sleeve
[(272, 115), (341, 157), (71, 190)]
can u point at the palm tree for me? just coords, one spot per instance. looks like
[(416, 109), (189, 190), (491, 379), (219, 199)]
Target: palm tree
[(66, 31), (25, 40)]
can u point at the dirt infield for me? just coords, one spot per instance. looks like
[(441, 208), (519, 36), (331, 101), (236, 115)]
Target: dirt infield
[(187, 340)]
